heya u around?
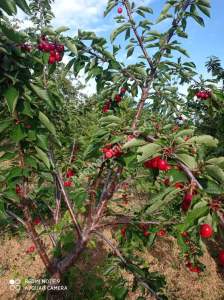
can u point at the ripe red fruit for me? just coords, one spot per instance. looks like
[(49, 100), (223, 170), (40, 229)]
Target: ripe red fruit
[(146, 233), (117, 151), (206, 231), (221, 257), (123, 91), (67, 183), (166, 181), (57, 56), (123, 231), (161, 233), (179, 185), (152, 163), (117, 98), (185, 234), (31, 249), (36, 221), (188, 197), (51, 60), (60, 48), (18, 190), (28, 126), (109, 154), (70, 173), (52, 47), (195, 269), (120, 10), (163, 165)]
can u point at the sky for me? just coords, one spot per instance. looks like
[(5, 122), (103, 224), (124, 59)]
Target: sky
[(202, 42)]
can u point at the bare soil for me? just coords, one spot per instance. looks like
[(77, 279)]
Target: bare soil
[(163, 257)]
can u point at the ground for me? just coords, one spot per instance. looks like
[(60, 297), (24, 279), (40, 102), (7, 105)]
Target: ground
[(163, 257)]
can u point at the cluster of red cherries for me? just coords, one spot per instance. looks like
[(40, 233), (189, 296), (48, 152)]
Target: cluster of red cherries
[(203, 95), (56, 50), (111, 151), (69, 174), (117, 99), (205, 231), (157, 163)]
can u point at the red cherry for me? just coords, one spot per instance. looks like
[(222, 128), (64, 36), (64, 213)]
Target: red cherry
[(123, 231), (18, 190), (36, 221), (28, 126), (117, 98), (67, 183), (120, 10), (221, 257), (60, 48), (146, 233), (179, 185), (123, 91), (57, 56), (206, 231), (166, 181), (30, 249), (117, 151), (109, 154), (162, 165), (195, 269), (185, 206), (70, 173), (46, 47), (185, 234), (51, 60), (188, 197), (161, 233), (52, 47)]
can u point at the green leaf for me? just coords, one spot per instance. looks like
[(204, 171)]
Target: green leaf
[(47, 123), (7, 156), (8, 6), (110, 119), (162, 17), (4, 125), (188, 160), (12, 96), (215, 172), (118, 30), (17, 134), (146, 9), (62, 29), (134, 143), (161, 199), (148, 151), (184, 132), (193, 217), (71, 46), (199, 20), (110, 6), (130, 51), (206, 140), (41, 93), (11, 34), (216, 161), (204, 9), (43, 157), (204, 3), (24, 6)]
